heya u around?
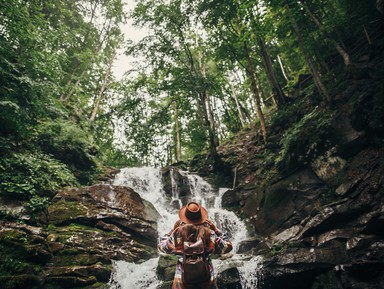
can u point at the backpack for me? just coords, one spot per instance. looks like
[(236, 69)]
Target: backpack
[(195, 265)]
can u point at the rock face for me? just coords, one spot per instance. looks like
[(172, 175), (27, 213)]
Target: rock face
[(87, 228), (319, 229)]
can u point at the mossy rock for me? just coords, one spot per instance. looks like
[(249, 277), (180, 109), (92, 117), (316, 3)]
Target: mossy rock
[(165, 285), (23, 247), (166, 267), (25, 281), (63, 211), (76, 259), (71, 281)]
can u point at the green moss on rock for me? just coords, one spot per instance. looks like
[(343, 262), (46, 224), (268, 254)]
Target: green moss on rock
[(25, 281), (62, 211)]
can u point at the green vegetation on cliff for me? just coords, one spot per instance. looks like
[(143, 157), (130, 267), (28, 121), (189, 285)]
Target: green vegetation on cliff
[(268, 93)]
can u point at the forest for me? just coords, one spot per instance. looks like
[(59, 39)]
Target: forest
[(204, 75)]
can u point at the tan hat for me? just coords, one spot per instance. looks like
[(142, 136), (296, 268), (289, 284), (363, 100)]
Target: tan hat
[(193, 213)]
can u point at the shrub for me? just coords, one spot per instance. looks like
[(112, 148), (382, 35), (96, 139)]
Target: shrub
[(72, 145), (31, 175), (306, 139)]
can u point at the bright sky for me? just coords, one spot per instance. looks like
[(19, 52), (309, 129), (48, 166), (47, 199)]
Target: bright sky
[(122, 62)]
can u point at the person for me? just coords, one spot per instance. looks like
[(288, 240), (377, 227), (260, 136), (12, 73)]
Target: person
[(193, 225)]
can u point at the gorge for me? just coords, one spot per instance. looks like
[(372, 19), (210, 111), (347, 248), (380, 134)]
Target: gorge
[(299, 188)]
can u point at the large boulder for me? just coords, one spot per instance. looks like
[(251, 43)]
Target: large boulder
[(24, 252), (285, 203), (90, 226), (112, 208)]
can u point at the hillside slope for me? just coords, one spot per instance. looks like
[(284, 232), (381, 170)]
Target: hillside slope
[(313, 196)]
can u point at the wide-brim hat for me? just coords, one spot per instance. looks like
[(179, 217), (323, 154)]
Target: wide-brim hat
[(193, 213)]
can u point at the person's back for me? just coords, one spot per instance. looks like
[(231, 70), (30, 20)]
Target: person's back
[(196, 231), (195, 242)]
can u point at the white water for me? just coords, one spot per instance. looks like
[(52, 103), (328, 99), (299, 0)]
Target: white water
[(147, 182)]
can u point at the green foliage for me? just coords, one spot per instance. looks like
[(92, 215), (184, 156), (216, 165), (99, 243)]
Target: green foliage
[(305, 139), (33, 176), (70, 144), (16, 270), (15, 262)]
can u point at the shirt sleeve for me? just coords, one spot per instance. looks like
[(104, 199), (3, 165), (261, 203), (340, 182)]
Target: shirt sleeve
[(222, 244), (166, 243)]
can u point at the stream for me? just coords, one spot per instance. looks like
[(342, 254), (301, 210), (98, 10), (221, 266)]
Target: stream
[(148, 183)]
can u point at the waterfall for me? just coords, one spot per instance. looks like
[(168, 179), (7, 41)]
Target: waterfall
[(148, 183)]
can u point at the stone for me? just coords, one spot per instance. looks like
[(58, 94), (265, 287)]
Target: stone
[(285, 203), (248, 245), (166, 266), (119, 206), (327, 166), (229, 279)]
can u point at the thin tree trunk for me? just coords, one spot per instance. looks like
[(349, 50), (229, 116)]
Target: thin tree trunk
[(234, 96), (211, 135), (343, 53), (177, 128), (208, 99), (319, 84), (64, 98), (102, 89), (367, 35), (256, 93), (282, 67), (276, 88)]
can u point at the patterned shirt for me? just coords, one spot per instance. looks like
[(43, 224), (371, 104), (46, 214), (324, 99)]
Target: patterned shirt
[(171, 244)]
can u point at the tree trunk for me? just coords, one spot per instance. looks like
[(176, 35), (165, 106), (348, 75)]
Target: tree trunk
[(102, 89), (63, 97), (255, 93), (211, 134), (316, 77), (208, 99), (234, 96), (278, 93), (282, 67), (344, 54), (177, 128)]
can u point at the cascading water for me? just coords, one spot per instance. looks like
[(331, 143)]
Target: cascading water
[(147, 182)]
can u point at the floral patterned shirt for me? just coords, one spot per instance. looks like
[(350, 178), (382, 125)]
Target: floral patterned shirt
[(171, 244)]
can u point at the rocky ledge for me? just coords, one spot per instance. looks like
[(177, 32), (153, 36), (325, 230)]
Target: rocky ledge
[(85, 229)]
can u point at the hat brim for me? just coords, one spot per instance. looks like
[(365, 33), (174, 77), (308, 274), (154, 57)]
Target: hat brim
[(183, 217)]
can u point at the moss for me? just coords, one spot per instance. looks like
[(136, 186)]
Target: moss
[(97, 285), (165, 285), (13, 235), (62, 211), (16, 260), (25, 281), (300, 145), (67, 258), (73, 227), (166, 267)]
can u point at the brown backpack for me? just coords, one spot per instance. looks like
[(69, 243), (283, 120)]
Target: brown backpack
[(195, 264)]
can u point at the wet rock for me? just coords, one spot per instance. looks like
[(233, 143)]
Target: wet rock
[(101, 273), (70, 281), (327, 166), (248, 245), (165, 269), (174, 182), (91, 226), (25, 281), (298, 267), (285, 203), (229, 279), (27, 241), (119, 206)]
